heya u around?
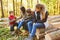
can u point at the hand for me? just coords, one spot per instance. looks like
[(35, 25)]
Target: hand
[(12, 20)]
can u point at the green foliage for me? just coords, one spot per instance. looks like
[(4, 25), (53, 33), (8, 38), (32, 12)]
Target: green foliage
[(53, 6), (5, 35)]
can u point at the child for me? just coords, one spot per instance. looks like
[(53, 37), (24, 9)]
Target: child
[(28, 22), (12, 21)]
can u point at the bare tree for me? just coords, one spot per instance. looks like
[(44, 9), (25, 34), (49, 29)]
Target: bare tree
[(37, 1), (2, 9), (21, 2), (13, 7)]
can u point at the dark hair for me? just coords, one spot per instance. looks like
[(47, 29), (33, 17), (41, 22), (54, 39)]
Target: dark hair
[(23, 9), (11, 12), (28, 11)]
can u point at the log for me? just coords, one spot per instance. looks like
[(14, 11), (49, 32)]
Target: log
[(40, 35), (53, 35), (51, 30)]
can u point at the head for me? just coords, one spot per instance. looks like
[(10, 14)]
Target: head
[(28, 10), (23, 10), (39, 7), (11, 12)]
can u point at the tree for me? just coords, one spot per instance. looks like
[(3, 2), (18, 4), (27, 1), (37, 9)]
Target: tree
[(21, 2), (2, 9), (13, 7)]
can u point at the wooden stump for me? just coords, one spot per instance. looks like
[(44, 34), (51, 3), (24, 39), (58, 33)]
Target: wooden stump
[(53, 35)]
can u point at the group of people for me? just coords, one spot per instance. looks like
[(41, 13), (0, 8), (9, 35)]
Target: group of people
[(32, 19)]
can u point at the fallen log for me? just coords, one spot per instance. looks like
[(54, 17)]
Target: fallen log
[(41, 35), (53, 35), (51, 30)]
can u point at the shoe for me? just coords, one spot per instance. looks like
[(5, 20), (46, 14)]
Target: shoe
[(29, 38)]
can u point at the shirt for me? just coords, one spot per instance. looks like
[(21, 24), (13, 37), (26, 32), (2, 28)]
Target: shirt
[(11, 17), (38, 17)]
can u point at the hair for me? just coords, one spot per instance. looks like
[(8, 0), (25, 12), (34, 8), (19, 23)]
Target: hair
[(23, 9), (40, 6), (28, 11), (11, 12)]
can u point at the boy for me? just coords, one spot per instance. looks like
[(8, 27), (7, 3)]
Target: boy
[(12, 21)]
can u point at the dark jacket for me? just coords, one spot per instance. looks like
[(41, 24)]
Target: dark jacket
[(39, 20)]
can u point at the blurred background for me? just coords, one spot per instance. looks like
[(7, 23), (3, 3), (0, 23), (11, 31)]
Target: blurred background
[(53, 6)]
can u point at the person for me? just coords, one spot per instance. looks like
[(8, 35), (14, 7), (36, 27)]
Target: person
[(23, 15), (25, 18), (30, 22), (12, 21), (39, 16)]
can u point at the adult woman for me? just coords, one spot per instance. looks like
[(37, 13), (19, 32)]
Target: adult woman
[(39, 16)]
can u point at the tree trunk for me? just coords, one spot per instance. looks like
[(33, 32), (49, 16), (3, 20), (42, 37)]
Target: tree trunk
[(21, 2), (13, 7), (37, 1), (2, 9)]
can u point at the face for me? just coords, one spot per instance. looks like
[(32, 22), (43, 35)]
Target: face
[(12, 14), (38, 9)]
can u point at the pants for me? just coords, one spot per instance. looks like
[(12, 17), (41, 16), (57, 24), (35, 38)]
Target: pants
[(36, 25), (12, 27), (29, 24), (24, 24), (20, 24)]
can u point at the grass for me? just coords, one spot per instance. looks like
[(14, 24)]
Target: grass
[(5, 35)]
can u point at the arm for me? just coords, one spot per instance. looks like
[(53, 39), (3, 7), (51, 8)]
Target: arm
[(15, 19), (11, 20)]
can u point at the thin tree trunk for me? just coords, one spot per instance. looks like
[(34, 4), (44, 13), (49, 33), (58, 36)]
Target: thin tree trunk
[(37, 1), (2, 9), (21, 2), (32, 3), (13, 7), (16, 7)]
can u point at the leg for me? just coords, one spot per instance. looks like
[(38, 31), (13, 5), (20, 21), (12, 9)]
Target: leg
[(29, 24), (11, 28), (35, 25), (20, 24), (16, 24), (25, 28)]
